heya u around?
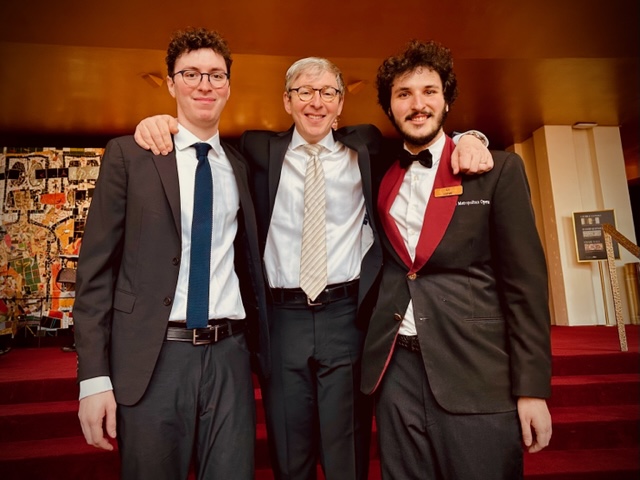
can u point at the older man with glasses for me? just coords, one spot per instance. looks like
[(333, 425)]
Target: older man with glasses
[(315, 191)]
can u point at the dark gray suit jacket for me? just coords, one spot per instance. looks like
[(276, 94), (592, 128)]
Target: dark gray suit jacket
[(129, 263), (479, 293)]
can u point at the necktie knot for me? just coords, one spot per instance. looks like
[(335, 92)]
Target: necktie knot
[(202, 150), (424, 157), (312, 149)]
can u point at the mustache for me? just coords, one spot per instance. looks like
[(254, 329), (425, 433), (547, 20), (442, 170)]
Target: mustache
[(415, 114)]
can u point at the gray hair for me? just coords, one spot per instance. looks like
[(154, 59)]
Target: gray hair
[(312, 66)]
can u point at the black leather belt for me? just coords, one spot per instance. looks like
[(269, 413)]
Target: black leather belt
[(410, 342), (333, 293), (217, 330)]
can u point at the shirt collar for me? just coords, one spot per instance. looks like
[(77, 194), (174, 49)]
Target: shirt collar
[(327, 142), (185, 139)]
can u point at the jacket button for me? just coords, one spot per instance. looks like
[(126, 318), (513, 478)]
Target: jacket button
[(412, 276), (397, 317), (167, 301), (175, 261)]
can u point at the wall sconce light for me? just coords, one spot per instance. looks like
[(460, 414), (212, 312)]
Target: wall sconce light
[(355, 87), (153, 79)]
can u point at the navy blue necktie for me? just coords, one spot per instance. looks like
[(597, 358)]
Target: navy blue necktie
[(199, 276)]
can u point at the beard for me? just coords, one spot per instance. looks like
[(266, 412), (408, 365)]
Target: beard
[(419, 141)]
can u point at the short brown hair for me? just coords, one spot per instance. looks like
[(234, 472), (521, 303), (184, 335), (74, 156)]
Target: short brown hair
[(431, 55), (184, 41)]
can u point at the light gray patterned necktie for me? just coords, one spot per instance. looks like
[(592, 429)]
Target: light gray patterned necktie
[(313, 258)]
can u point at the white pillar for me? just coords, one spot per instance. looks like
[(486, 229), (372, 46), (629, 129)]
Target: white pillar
[(572, 171)]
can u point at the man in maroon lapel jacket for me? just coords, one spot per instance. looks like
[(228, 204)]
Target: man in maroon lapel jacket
[(457, 353)]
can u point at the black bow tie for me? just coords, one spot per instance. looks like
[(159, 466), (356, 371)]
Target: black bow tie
[(424, 157)]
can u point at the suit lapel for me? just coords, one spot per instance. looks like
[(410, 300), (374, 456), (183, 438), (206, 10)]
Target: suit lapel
[(242, 181), (439, 210), (352, 140), (389, 188), (437, 215), (277, 149), (239, 169), (168, 171)]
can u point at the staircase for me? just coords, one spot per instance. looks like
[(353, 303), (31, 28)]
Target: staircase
[(595, 410)]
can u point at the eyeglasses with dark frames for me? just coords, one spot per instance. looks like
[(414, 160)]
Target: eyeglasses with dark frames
[(192, 78)]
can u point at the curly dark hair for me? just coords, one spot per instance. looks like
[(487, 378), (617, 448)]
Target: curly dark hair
[(184, 41), (431, 55)]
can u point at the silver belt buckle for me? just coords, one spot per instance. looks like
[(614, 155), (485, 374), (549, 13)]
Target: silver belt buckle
[(206, 337), (313, 304)]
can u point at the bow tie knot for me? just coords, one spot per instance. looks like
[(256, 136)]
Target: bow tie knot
[(424, 157)]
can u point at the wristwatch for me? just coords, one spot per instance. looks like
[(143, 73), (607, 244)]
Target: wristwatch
[(479, 135)]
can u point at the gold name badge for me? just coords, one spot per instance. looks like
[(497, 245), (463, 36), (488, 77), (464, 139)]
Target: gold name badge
[(448, 191)]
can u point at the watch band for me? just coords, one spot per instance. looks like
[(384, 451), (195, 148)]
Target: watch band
[(479, 135)]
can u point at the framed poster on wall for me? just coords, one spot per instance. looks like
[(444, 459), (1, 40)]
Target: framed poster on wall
[(589, 236)]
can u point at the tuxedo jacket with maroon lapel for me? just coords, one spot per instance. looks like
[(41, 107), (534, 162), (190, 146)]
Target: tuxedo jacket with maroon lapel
[(129, 263), (265, 152), (479, 290)]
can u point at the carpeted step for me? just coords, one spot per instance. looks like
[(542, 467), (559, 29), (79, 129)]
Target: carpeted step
[(594, 408), (584, 390), (593, 427), (596, 364), (40, 420), (587, 427), (30, 390), (66, 458), (608, 464), (583, 464), (71, 459), (262, 448)]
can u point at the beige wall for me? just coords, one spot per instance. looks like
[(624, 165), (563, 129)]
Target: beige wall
[(572, 171)]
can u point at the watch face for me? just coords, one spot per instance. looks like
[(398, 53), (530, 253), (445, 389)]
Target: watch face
[(479, 137)]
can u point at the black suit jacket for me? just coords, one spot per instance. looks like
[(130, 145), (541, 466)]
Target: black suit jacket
[(129, 263), (265, 152), (480, 297)]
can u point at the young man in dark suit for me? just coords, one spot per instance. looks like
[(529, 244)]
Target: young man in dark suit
[(457, 352), (314, 409), (160, 333)]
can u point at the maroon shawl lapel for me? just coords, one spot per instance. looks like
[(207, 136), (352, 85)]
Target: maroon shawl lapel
[(437, 215)]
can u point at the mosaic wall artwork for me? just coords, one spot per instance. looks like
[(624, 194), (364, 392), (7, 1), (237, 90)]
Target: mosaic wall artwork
[(44, 200)]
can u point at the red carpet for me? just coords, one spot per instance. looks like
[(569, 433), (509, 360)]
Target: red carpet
[(595, 409)]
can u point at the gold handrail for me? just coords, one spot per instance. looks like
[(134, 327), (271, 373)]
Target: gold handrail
[(609, 233)]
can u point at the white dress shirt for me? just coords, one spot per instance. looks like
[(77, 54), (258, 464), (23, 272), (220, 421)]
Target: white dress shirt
[(224, 288), (408, 211), (348, 234)]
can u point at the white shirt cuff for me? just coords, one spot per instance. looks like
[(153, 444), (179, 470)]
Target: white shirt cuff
[(94, 385)]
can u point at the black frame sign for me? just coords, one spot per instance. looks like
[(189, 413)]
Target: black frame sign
[(589, 235)]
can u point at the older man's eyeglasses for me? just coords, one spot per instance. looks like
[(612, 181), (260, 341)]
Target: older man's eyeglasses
[(193, 78), (306, 93)]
